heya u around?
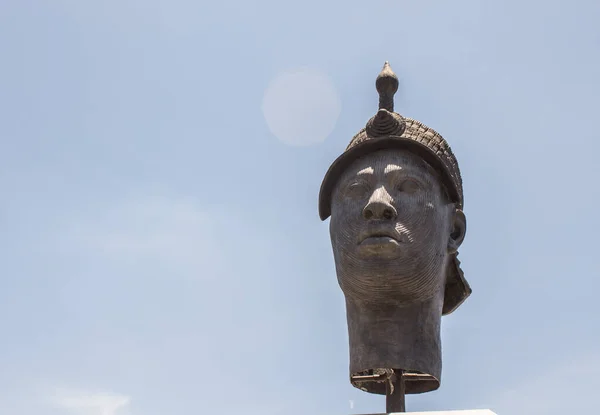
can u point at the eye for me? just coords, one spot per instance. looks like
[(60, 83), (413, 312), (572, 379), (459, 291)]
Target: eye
[(357, 189), (408, 186)]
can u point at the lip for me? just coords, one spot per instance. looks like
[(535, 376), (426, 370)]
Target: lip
[(379, 234)]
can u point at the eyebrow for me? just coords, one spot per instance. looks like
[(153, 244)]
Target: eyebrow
[(416, 171), (403, 171), (366, 171), (425, 177)]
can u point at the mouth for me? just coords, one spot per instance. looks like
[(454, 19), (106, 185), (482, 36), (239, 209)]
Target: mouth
[(379, 236)]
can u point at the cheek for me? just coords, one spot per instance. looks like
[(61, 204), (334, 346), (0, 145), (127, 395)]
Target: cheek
[(345, 223), (345, 209), (425, 218)]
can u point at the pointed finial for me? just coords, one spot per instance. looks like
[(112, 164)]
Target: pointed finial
[(387, 85)]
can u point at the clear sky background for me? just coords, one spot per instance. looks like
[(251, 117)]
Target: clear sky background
[(160, 161)]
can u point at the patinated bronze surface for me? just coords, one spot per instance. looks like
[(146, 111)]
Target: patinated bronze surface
[(395, 199)]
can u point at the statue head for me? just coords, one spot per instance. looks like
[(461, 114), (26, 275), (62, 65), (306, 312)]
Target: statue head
[(395, 201), (393, 229)]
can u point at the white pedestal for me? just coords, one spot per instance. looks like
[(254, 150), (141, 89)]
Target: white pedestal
[(472, 412)]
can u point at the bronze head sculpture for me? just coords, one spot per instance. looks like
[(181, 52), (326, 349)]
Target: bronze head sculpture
[(395, 199)]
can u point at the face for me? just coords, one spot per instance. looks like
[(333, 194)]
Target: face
[(392, 229)]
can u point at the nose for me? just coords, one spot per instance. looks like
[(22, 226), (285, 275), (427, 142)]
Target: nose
[(380, 206)]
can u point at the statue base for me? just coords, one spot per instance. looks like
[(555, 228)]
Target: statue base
[(470, 412)]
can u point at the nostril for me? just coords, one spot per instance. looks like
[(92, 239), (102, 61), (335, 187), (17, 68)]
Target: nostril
[(388, 214), (368, 214)]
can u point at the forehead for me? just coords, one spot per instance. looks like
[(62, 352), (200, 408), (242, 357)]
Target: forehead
[(384, 161)]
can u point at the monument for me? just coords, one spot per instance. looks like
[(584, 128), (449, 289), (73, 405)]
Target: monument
[(395, 199)]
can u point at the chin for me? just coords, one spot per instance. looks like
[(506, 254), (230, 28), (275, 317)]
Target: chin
[(377, 255), (389, 289), (402, 276)]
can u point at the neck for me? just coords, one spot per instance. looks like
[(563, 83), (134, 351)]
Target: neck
[(396, 336)]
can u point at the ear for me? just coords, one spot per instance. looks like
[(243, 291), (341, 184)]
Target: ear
[(459, 229)]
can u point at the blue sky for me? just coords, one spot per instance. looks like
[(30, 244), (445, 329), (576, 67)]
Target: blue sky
[(161, 248)]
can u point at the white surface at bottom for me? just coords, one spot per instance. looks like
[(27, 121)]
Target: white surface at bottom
[(472, 412)]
